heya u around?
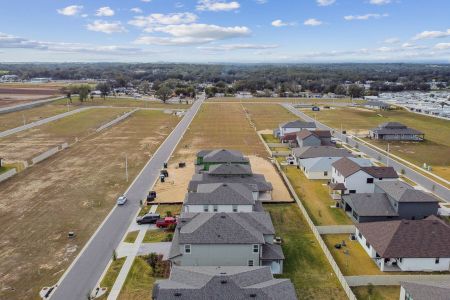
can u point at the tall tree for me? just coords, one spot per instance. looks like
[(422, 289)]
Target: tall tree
[(164, 92), (104, 89)]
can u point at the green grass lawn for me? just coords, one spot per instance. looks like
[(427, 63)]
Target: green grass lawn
[(305, 263), (316, 199), (377, 292), (139, 282), (433, 151), (269, 138), (156, 236), (357, 262), (175, 209), (111, 275), (131, 236)]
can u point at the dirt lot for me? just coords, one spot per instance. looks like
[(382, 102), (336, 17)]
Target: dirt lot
[(210, 130), (12, 94), (119, 101), (29, 143), (281, 100), (268, 116), (73, 191)]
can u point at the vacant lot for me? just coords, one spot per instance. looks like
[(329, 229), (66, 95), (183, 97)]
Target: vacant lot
[(433, 151), (73, 191), (13, 94), (281, 100), (218, 126), (125, 102), (29, 143), (16, 119), (316, 199), (305, 263), (377, 292), (268, 116)]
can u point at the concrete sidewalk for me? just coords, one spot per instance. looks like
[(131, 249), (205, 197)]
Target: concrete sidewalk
[(392, 279), (336, 229)]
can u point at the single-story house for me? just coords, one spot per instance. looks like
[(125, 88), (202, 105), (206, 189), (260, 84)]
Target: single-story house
[(357, 175), (207, 158), (226, 239), (222, 197), (392, 200), (305, 153), (294, 126), (407, 245), (394, 131), (222, 283), (376, 105), (317, 167), (307, 138), (425, 290)]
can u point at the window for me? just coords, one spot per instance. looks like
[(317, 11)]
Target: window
[(187, 248), (352, 191), (255, 248), (215, 208), (205, 208), (360, 235), (436, 261), (235, 208), (369, 180), (367, 245), (250, 263), (325, 173)]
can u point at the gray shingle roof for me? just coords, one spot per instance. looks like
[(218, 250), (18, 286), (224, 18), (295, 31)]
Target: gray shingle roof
[(236, 283), (428, 237), (298, 124), (230, 169), (438, 290), (403, 192), (220, 193), (370, 205), (272, 252), (225, 228), (320, 151), (256, 182), (394, 128), (222, 156)]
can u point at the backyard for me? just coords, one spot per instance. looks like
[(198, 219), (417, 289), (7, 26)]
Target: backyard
[(305, 263), (316, 199), (433, 151), (94, 171), (377, 292)]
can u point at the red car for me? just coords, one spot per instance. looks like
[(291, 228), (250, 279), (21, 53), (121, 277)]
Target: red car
[(166, 222)]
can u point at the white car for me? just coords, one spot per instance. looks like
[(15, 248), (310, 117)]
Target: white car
[(122, 200)]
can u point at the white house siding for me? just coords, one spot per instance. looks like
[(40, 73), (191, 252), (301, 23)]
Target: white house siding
[(357, 181), (265, 196), (424, 264), (362, 240), (218, 255), (402, 293), (220, 208), (275, 266), (317, 175)]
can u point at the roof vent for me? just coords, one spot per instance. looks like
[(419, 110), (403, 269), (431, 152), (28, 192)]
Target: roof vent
[(223, 216), (252, 295), (177, 294), (223, 282), (224, 184), (405, 222), (223, 273)]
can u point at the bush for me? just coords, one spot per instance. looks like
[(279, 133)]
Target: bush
[(160, 267), (168, 238)]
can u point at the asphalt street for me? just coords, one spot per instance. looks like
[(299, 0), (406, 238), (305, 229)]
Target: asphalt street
[(429, 184), (82, 276)]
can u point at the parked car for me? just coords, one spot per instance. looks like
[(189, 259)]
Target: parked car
[(149, 218), (166, 222), (151, 196), (122, 200)]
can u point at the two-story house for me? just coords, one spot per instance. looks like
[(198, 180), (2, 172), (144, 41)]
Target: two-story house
[(391, 200), (207, 158), (357, 175), (226, 239), (307, 138)]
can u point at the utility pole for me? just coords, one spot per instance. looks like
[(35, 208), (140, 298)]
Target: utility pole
[(126, 167), (387, 161)]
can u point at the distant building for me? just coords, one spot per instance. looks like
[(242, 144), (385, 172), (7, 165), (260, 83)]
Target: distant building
[(9, 78), (245, 95), (394, 131), (40, 80), (376, 105), (307, 138), (222, 283), (293, 126)]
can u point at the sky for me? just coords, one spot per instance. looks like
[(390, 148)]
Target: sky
[(224, 31)]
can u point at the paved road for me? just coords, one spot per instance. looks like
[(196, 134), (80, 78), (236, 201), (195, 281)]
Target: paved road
[(432, 186), (87, 268), (394, 279)]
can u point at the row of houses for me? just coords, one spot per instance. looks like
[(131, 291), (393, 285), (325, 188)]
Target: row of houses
[(224, 245), (396, 224)]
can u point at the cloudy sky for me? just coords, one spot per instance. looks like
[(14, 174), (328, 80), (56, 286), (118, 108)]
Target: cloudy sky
[(225, 31)]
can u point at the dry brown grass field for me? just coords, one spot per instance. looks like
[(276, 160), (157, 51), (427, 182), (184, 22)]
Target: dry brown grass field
[(72, 191)]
